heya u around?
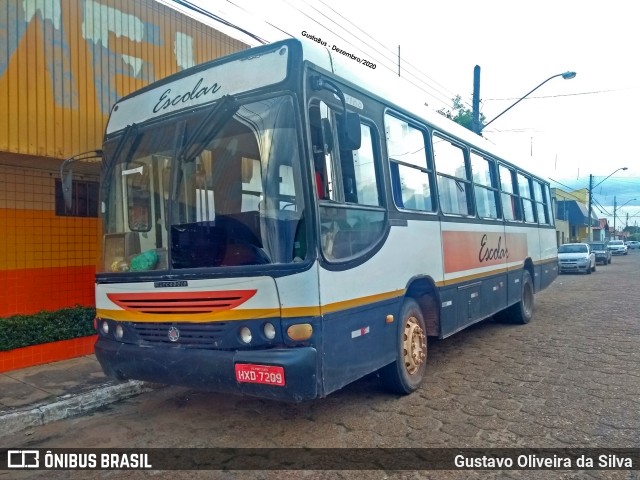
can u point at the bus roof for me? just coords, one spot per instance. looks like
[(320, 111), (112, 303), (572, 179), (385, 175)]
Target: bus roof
[(397, 92), (185, 86)]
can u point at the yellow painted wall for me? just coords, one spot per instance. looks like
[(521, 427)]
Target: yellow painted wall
[(64, 63)]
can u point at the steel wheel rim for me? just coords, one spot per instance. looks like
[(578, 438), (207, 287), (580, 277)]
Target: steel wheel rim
[(414, 345)]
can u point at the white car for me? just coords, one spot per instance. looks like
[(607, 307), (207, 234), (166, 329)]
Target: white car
[(632, 244), (576, 257), (617, 247)]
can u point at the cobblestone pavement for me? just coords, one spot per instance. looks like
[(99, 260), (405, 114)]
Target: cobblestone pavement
[(570, 378)]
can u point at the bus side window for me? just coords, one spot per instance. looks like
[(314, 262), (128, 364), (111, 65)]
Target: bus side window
[(485, 186), (542, 207), (454, 186), (526, 197), (511, 208), (411, 175)]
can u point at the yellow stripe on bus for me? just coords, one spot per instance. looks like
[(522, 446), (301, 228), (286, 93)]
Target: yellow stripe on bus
[(288, 312)]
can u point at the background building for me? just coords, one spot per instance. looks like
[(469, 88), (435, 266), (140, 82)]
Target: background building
[(63, 64), (572, 217)]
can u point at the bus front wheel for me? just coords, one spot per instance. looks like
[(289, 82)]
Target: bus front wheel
[(406, 373)]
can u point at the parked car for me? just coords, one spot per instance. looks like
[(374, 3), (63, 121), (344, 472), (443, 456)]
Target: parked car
[(576, 257), (632, 244), (602, 253), (617, 247)]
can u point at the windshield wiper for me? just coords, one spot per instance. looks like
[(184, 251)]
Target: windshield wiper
[(209, 126)]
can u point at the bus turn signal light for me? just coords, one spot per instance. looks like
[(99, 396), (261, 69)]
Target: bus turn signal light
[(300, 331)]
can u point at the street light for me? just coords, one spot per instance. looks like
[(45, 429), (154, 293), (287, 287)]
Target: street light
[(476, 113), (591, 187), (614, 212)]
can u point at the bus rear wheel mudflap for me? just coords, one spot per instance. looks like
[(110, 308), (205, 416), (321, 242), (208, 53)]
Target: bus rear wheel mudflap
[(407, 372)]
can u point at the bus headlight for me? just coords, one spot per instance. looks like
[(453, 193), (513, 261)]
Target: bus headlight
[(105, 327), (119, 332), (245, 335), (269, 331)]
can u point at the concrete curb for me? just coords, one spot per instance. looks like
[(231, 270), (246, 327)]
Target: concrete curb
[(71, 405)]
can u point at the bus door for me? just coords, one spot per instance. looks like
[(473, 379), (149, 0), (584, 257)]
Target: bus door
[(352, 222)]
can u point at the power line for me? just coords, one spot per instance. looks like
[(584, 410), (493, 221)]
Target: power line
[(373, 56), (190, 6), (595, 92), (262, 19), (447, 92), (348, 42)]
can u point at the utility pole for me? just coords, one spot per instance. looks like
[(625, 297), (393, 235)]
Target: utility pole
[(614, 218), (475, 117), (591, 205)]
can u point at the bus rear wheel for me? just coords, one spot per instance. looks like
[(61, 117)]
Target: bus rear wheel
[(522, 311), (406, 373)]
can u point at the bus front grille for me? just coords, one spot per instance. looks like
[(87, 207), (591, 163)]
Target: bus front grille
[(185, 334)]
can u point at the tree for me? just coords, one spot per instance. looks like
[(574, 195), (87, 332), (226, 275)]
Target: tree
[(460, 114), (633, 231)]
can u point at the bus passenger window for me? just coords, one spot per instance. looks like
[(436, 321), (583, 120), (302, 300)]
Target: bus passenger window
[(454, 187), (510, 202), (485, 187), (411, 176), (526, 196), (541, 202)]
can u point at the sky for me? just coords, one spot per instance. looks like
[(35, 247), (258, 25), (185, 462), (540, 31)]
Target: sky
[(565, 131)]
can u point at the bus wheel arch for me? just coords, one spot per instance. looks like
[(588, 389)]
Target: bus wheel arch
[(528, 266), (423, 290), (419, 318)]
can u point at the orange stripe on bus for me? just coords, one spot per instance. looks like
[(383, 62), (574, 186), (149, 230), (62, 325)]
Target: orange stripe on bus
[(469, 250)]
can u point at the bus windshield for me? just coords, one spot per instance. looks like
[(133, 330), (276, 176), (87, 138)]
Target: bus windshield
[(218, 187)]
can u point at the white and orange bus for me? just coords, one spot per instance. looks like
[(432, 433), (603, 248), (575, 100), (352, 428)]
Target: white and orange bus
[(281, 222)]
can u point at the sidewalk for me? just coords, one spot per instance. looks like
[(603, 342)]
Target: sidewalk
[(45, 393)]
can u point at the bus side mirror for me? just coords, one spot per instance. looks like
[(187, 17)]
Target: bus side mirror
[(350, 134), (66, 175)]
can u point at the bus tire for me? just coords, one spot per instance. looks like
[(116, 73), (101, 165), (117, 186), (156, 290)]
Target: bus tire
[(522, 312), (406, 373)]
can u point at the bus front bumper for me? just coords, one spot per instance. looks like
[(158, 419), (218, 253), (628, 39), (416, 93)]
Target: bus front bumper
[(212, 370)]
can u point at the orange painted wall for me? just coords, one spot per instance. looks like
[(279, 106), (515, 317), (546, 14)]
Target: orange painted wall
[(47, 262), (46, 353)]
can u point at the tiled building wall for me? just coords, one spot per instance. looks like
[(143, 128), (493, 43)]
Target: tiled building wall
[(47, 262)]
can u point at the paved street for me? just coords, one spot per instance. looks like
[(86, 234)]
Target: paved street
[(570, 378)]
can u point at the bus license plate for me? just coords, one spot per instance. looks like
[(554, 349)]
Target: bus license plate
[(264, 374)]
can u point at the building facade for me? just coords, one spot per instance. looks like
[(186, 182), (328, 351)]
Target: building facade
[(572, 218), (63, 64)]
